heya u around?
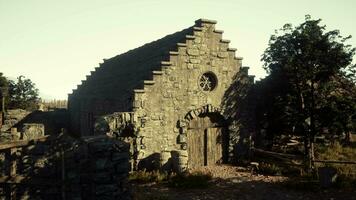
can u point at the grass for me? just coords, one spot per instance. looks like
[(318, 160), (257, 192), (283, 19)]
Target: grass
[(298, 179), (336, 151)]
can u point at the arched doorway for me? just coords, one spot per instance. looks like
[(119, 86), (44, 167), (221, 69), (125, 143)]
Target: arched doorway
[(207, 138)]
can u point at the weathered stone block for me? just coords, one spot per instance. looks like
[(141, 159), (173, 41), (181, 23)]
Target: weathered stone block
[(32, 131), (223, 54), (194, 61), (193, 52)]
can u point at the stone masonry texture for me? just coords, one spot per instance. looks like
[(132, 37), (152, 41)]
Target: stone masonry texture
[(159, 87)]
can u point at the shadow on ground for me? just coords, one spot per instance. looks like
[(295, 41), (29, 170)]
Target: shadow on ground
[(244, 188)]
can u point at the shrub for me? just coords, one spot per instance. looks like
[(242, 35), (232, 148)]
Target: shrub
[(190, 180), (269, 169)]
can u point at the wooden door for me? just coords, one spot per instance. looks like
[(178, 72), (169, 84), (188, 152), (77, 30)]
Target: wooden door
[(213, 146), (195, 143), (204, 144)]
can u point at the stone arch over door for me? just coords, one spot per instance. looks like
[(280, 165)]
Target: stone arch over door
[(204, 136)]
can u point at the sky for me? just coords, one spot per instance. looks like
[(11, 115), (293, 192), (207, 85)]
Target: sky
[(57, 43)]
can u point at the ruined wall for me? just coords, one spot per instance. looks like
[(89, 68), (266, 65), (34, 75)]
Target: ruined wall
[(175, 90), (66, 168)]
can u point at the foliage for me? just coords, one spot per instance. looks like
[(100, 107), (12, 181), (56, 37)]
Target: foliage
[(269, 169), (190, 180), (4, 86), (311, 84), (23, 94)]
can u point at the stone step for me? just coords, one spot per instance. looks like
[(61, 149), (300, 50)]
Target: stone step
[(190, 37), (218, 31), (224, 41)]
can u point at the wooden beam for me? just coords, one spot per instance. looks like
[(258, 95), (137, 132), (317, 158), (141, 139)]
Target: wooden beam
[(271, 153), (335, 161)]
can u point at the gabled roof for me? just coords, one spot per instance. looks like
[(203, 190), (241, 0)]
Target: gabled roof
[(127, 71)]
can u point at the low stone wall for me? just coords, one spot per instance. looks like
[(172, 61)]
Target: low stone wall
[(12, 117), (29, 131), (67, 168)]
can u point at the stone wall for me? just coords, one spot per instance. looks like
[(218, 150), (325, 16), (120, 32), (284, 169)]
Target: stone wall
[(109, 87), (29, 131), (165, 77), (174, 91), (12, 117), (63, 167)]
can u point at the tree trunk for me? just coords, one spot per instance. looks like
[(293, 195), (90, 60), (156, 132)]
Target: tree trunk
[(306, 152), (2, 110), (312, 130), (311, 153)]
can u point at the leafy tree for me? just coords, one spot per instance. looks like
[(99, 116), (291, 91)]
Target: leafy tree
[(23, 94), (4, 87), (312, 69)]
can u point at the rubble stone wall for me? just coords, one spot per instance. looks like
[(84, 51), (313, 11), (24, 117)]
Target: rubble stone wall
[(175, 91), (89, 168)]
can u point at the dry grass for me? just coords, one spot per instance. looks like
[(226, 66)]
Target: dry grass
[(336, 151)]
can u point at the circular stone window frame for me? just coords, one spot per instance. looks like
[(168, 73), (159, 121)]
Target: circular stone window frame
[(213, 75)]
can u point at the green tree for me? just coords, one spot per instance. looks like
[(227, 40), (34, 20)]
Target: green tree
[(23, 94), (309, 64), (4, 87)]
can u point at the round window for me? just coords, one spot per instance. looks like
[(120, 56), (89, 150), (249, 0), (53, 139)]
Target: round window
[(208, 81)]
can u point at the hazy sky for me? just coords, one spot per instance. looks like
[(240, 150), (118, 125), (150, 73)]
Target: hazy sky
[(56, 43)]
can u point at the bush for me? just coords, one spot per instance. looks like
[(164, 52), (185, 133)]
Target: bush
[(190, 180), (269, 169)]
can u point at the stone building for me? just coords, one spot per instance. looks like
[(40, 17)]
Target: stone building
[(166, 97)]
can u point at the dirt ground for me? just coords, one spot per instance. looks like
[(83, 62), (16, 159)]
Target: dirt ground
[(230, 183)]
